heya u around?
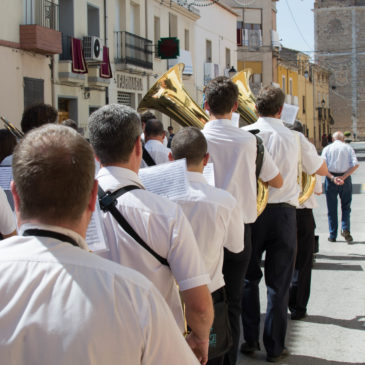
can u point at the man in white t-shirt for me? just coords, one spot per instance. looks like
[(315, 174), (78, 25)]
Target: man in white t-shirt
[(115, 136), (61, 304), (233, 153), (7, 219), (213, 213)]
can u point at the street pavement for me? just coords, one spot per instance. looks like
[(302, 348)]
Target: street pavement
[(334, 330)]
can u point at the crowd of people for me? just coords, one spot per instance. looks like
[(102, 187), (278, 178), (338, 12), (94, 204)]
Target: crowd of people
[(179, 274)]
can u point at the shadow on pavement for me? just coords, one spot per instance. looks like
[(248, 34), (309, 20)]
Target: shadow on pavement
[(337, 267), (345, 258), (356, 323)]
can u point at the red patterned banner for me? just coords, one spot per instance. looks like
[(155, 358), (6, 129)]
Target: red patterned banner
[(78, 60)]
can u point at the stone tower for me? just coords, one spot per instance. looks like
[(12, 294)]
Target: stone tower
[(340, 47)]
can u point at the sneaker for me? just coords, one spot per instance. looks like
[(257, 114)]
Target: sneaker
[(250, 348), (331, 239), (283, 355), (347, 236)]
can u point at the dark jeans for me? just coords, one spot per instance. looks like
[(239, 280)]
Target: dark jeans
[(345, 193), (234, 271), (299, 291), (274, 232)]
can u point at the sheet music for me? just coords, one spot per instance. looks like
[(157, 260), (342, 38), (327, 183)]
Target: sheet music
[(235, 120), (289, 113), (6, 175), (94, 234), (168, 179), (208, 173)]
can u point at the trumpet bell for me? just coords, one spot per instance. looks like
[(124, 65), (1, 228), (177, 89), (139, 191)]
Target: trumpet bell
[(307, 188), (169, 97)]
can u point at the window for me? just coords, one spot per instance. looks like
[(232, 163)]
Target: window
[(93, 25), (135, 20), (157, 35), (208, 51), (187, 35), (124, 98), (228, 57), (283, 84), (303, 101), (172, 25), (33, 91), (66, 10), (290, 86)]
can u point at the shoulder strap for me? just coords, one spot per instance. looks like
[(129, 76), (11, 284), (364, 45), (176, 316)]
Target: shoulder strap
[(108, 203), (259, 155), (147, 158)]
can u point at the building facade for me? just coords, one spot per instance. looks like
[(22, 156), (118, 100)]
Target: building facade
[(339, 44)]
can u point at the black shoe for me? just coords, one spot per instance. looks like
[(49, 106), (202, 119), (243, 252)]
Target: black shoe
[(283, 355), (296, 316), (331, 239), (250, 348), (347, 236)]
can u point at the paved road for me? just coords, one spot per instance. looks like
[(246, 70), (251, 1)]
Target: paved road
[(334, 331)]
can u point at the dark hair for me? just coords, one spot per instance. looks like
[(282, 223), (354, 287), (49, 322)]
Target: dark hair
[(7, 143), (296, 126), (53, 170), (146, 116), (70, 123), (189, 143), (269, 101), (221, 94), (170, 128), (113, 131), (37, 115), (153, 128)]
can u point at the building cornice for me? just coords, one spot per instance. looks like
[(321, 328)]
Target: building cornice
[(336, 8), (179, 9)]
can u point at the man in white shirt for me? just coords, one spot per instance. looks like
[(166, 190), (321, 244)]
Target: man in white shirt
[(115, 136), (233, 153), (342, 163), (275, 229), (213, 213), (59, 303), (7, 219), (154, 148)]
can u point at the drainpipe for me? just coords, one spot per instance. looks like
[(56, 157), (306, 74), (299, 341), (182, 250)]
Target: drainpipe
[(106, 44), (146, 36)]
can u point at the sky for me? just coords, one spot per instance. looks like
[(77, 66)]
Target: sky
[(301, 16)]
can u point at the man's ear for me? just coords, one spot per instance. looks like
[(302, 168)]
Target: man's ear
[(206, 159), (138, 146), (93, 196), (206, 106), (280, 111), (15, 197), (235, 107), (170, 157)]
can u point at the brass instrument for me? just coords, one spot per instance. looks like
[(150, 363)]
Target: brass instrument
[(169, 97), (246, 108), (18, 134)]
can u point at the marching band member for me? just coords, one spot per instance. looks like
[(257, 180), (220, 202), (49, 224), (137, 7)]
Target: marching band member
[(161, 225), (275, 229), (233, 152)]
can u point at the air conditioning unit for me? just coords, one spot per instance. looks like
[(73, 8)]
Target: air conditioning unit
[(93, 49)]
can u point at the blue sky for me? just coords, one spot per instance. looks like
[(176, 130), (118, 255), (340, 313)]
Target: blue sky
[(302, 15)]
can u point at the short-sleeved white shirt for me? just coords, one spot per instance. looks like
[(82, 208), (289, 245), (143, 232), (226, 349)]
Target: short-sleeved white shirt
[(216, 221), (283, 147), (233, 152), (62, 305), (7, 219), (164, 227)]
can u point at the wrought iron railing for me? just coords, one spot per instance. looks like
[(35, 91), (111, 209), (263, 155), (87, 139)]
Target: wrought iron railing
[(42, 12), (132, 49)]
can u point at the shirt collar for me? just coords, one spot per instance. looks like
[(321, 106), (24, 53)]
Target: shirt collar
[(120, 173), (271, 120), (196, 177), (67, 232), (153, 142), (218, 122)]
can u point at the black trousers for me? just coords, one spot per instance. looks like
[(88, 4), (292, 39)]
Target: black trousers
[(274, 232), (234, 271), (301, 282)]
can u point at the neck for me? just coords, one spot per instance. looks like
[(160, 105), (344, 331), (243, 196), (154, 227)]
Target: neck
[(196, 168), (159, 139), (222, 116), (130, 165)]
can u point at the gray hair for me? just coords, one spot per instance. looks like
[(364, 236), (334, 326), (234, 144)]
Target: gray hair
[(113, 131), (189, 143), (338, 136)]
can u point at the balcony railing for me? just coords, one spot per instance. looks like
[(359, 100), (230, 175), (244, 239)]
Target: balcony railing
[(42, 12), (133, 50), (66, 48)]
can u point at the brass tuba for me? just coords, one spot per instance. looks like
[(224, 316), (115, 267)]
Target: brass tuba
[(169, 97), (246, 108)]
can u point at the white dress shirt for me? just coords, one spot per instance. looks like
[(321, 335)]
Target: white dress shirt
[(233, 153), (158, 152), (340, 156), (283, 147), (7, 219), (216, 221), (62, 305), (164, 227)]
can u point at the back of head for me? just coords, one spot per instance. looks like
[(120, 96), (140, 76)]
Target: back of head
[(7, 143), (269, 101), (189, 143), (113, 131), (37, 115), (221, 94), (53, 169), (296, 126), (338, 136), (146, 116), (70, 123), (154, 128)]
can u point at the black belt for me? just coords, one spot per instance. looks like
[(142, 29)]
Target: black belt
[(218, 295), (337, 173), (281, 205)]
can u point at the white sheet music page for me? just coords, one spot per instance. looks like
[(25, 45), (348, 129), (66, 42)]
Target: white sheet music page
[(6, 175), (94, 234), (208, 173), (168, 179), (289, 113)]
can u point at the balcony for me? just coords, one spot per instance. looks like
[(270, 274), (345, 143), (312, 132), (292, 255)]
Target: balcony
[(40, 34), (251, 38), (133, 50)]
